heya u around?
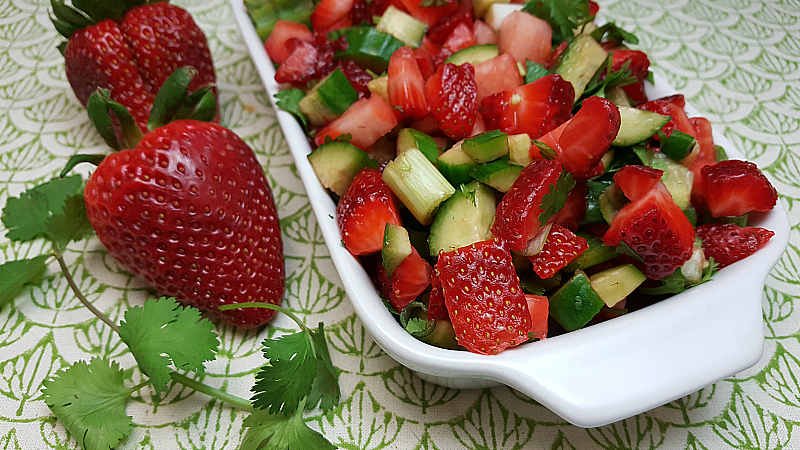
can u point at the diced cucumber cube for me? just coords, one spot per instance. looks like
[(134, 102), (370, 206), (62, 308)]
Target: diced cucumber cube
[(463, 219), (575, 303), (402, 26), (581, 60), (337, 163), (616, 283), (396, 247), (486, 146)]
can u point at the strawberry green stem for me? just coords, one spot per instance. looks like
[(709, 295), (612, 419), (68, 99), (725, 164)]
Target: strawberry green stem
[(280, 309), (81, 297), (212, 392)]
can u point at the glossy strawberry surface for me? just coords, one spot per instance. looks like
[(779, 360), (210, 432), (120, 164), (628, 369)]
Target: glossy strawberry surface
[(190, 210), (561, 248), (363, 212), (452, 97), (733, 188), (728, 243), (484, 299)]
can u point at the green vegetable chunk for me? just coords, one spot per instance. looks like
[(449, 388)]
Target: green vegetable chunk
[(575, 303)]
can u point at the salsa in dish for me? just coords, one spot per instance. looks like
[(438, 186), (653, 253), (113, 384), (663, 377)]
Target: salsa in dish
[(499, 169)]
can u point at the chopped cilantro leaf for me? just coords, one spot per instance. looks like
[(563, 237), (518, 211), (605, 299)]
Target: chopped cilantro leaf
[(564, 16), (325, 389), (556, 198), (16, 274), (670, 284), (612, 32), (289, 101), (267, 431), (162, 333), (89, 400), (71, 224), (289, 376), (534, 71), (26, 216), (605, 79)]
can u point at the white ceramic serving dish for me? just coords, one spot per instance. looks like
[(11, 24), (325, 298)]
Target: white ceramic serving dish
[(590, 377)]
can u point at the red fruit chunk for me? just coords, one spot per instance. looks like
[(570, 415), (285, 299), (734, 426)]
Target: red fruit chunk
[(406, 85), (671, 106), (432, 14), (410, 279), (452, 97), (561, 248), (189, 209), (301, 66), (593, 7), (517, 216), (497, 75), (487, 307), (357, 76), (365, 121), (574, 210), (581, 141), (639, 65), (728, 243), (443, 29), (330, 15), (525, 36), (636, 181), (364, 12), (534, 108), (363, 212), (539, 306), (705, 155), (656, 229), (283, 31), (484, 34), (460, 38), (436, 306), (733, 188)]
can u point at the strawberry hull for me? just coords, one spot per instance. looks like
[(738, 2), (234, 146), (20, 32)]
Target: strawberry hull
[(190, 211)]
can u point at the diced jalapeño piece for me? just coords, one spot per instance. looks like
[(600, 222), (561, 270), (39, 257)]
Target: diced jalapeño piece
[(575, 303), (417, 184), (486, 146)]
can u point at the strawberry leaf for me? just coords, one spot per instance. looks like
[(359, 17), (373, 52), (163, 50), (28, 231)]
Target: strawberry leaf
[(101, 108), (72, 224), (325, 389), (289, 376), (564, 16), (89, 400), (26, 216), (14, 275), (289, 101), (162, 333), (556, 198), (267, 431)]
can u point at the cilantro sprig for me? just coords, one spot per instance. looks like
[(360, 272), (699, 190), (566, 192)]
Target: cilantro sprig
[(167, 340), (556, 196), (564, 16)]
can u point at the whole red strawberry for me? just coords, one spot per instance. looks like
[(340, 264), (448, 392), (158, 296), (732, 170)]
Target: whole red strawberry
[(189, 209), (131, 53)]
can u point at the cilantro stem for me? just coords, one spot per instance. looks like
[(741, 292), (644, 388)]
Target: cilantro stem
[(212, 391), (81, 297), (280, 309)]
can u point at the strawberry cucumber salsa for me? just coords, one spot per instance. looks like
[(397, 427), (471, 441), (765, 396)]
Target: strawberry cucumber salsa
[(499, 168)]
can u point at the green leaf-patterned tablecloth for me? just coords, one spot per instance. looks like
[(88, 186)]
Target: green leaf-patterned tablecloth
[(737, 61)]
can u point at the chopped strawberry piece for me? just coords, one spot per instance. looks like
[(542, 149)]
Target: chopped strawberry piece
[(733, 188), (593, 7), (534, 108), (539, 306), (452, 97), (484, 34), (330, 15), (363, 212), (301, 64), (409, 279), (705, 155), (656, 229), (460, 38), (671, 106), (432, 14), (636, 181), (574, 210), (728, 243), (580, 142), (485, 301), (517, 216), (555, 55), (639, 65), (406, 85), (497, 75), (439, 32), (357, 76), (525, 36), (366, 121), (364, 12), (436, 306), (561, 247), (283, 31)]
